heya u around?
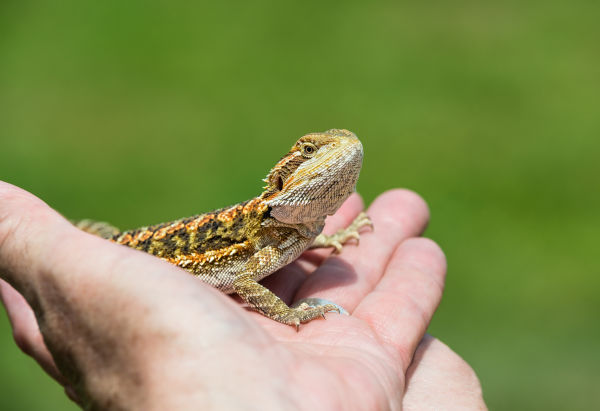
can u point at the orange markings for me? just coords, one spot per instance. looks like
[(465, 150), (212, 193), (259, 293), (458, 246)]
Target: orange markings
[(143, 236), (168, 230), (126, 239), (228, 215), (231, 213), (254, 204), (160, 234), (175, 227), (211, 256), (197, 222)]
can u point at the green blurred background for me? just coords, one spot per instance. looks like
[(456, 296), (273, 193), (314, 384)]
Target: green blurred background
[(143, 111)]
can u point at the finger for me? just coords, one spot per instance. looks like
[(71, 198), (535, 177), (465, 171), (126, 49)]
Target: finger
[(70, 392), (285, 282), (24, 223), (400, 307), (26, 331), (347, 278), (439, 379), (73, 279), (40, 249)]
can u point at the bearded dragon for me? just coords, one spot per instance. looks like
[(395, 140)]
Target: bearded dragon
[(235, 247)]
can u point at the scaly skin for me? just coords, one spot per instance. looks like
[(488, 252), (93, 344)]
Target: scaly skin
[(233, 248)]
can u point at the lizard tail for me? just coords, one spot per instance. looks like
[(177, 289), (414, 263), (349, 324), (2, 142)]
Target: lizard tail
[(98, 228)]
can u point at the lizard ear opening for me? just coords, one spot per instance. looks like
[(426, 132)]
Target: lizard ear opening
[(279, 183)]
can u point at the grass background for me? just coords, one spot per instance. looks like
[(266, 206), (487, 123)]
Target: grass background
[(143, 111)]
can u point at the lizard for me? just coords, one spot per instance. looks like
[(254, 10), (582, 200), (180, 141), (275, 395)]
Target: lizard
[(235, 247)]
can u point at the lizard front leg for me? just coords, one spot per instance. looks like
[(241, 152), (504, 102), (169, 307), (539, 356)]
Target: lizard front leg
[(265, 301), (341, 236)]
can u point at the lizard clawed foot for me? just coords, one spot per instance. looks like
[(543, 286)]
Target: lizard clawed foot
[(342, 236), (306, 310), (316, 302)]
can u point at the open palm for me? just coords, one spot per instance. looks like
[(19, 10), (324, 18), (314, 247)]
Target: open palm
[(127, 330), (390, 284)]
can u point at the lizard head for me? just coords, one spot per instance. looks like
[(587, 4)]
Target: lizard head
[(315, 177)]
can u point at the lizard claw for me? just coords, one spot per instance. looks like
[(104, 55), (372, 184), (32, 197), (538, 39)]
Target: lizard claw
[(308, 309), (315, 302), (337, 245)]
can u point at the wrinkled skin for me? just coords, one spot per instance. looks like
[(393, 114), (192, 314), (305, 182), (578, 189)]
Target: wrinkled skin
[(124, 330)]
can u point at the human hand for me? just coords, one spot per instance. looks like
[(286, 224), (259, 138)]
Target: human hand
[(127, 330)]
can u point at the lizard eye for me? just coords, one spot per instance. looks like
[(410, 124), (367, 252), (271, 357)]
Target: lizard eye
[(308, 150)]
